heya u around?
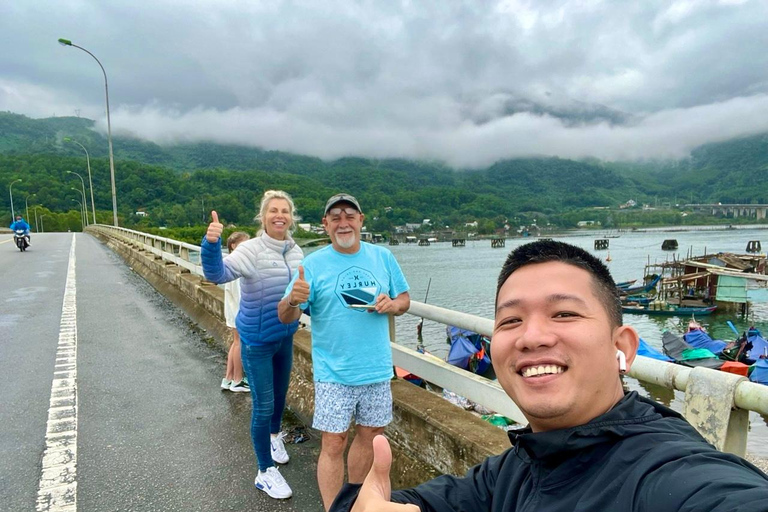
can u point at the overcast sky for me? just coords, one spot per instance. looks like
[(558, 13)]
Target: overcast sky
[(467, 83)]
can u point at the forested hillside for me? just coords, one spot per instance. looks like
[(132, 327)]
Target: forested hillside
[(178, 185)]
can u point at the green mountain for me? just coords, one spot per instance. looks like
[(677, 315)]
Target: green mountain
[(179, 184)]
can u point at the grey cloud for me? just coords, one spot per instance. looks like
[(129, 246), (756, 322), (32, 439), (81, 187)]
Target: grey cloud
[(467, 82)]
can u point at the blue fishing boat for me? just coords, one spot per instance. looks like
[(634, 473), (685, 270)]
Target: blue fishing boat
[(641, 288), (667, 310)]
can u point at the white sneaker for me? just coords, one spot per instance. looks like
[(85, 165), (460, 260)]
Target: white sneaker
[(225, 384), (279, 454), (273, 483), (239, 387)]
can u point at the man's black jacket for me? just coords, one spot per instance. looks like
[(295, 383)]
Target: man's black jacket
[(639, 456)]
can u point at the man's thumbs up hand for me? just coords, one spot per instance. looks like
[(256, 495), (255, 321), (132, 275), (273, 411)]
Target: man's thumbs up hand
[(214, 228), (300, 291), (377, 488)]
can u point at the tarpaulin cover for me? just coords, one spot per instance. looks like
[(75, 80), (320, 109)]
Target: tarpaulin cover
[(759, 344), (760, 373), (675, 347), (648, 351), (700, 339), (464, 345)]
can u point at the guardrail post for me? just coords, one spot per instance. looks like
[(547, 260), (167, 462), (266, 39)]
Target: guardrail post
[(710, 408), (392, 336)]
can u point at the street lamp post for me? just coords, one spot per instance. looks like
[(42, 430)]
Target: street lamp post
[(26, 204), (37, 223), (84, 199), (67, 42), (42, 226), (90, 180), (10, 191), (83, 215), (82, 222)]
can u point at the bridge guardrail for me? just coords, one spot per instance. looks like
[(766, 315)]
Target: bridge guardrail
[(716, 403)]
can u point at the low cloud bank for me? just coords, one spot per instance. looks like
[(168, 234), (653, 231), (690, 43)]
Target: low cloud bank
[(445, 134)]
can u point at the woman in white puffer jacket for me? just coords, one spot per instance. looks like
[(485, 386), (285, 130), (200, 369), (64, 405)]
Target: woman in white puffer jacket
[(264, 265)]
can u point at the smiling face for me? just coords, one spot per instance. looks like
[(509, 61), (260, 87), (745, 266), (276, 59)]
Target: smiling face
[(277, 219), (343, 224), (553, 347)]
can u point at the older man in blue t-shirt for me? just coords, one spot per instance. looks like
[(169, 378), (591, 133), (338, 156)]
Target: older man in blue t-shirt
[(351, 287)]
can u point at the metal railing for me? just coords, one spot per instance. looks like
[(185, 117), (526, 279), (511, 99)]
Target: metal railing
[(181, 253), (716, 403)]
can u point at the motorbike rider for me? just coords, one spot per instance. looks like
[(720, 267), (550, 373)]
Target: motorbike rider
[(20, 223)]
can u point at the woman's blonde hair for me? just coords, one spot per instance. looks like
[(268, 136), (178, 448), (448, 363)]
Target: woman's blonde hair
[(276, 194)]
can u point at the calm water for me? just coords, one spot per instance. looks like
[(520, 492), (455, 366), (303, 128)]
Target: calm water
[(464, 279)]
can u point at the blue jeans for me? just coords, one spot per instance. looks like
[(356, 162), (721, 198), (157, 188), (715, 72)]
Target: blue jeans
[(268, 368)]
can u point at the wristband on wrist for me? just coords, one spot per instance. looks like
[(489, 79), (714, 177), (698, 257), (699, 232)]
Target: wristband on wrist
[(291, 304)]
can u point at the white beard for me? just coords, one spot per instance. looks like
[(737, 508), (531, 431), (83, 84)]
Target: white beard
[(346, 241)]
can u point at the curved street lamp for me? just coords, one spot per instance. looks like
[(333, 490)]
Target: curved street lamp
[(42, 226), (82, 222), (90, 180), (83, 216), (84, 199), (10, 191), (67, 42)]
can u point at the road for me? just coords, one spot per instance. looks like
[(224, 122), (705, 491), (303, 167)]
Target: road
[(138, 421)]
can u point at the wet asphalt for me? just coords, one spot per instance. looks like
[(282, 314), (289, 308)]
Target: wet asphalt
[(155, 432)]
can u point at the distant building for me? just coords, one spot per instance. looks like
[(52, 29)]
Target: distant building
[(142, 213), (472, 224), (629, 204)]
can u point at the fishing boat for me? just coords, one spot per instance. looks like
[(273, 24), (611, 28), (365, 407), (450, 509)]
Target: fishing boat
[(667, 310), (625, 284), (641, 288), (636, 300)]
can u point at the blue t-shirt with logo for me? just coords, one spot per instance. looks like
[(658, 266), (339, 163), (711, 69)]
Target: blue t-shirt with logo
[(350, 346)]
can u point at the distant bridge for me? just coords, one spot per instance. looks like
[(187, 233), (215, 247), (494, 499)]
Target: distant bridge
[(755, 211)]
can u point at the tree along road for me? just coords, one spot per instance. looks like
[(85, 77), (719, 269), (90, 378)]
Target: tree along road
[(137, 420)]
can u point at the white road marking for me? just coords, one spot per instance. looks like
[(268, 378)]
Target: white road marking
[(6, 241), (58, 479)]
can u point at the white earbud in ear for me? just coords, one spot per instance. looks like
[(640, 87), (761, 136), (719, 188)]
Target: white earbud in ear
[(622, 361)]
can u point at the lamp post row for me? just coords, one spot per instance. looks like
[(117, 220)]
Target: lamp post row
[(84, 204), (67, 42)]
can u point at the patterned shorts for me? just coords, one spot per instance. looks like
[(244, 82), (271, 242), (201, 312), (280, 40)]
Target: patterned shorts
[(337, 404)]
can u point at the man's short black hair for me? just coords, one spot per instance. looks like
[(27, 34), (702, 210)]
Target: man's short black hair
[(543, 251)]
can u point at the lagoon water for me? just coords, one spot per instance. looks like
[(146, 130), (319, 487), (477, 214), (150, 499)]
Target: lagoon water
[(464, 279)]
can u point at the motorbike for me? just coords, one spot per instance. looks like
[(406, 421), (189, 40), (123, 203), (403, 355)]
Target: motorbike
[(21, 240)]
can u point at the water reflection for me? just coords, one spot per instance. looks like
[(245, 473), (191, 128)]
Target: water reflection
[(659, 393)]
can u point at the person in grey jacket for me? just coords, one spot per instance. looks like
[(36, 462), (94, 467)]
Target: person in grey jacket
[(264, 265), (558, 350)]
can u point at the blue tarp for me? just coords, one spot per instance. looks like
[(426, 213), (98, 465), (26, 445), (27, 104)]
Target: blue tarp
[(648, 351), (759, 344), (464, 345), (700, 339), (760, 372)]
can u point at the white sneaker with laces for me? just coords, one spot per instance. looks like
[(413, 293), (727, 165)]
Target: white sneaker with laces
[(279, 454), (273, 483), (225, 384)]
